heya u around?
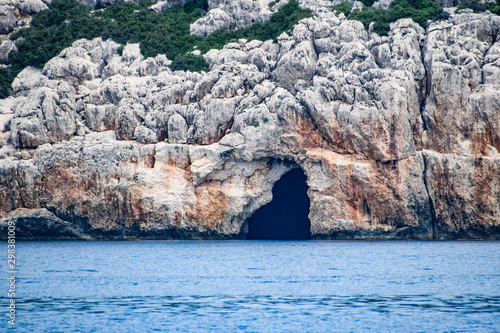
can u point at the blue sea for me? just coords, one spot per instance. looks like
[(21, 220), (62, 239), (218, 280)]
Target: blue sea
[(255, 286)]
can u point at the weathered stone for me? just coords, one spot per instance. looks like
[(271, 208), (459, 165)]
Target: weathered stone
[(298, 64), (7, 18), (177, 129), (214, 20), (40, 224), (462, 106), (161, 6), (232, 140), (231, 14), (6, 47), (127, 118), (351, 193), (399, 136), (465, 192), (30, 6)]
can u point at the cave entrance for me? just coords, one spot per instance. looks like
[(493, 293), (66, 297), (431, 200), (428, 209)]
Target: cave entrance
[(286, 216)]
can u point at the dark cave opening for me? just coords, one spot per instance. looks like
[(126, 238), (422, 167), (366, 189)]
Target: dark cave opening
[(286, 216)]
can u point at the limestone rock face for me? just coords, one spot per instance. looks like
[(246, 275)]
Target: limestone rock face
[(398, 136), (6, 47), (49, 115), (213, 20), (17, 14), (465, 193), (243, 13), (384, 4), (232, 14), (40, 224), (7, 18), (14, 15), (462, 102), (30, 6), (364, 206)]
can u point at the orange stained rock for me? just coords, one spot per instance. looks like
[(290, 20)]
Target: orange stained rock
[(211, 204)]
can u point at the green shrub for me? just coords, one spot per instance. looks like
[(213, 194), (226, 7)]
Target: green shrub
[(493, 7), (190, 62), (368, 3), (478, 7), (344, 7), (475, 5), (167, 33), (120, 50), (418, 10), (281, 21), (7, 75)]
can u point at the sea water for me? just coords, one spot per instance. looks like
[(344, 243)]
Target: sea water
[(255, 286)]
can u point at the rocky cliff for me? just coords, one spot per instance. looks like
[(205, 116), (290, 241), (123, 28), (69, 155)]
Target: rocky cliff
[(399, 136)]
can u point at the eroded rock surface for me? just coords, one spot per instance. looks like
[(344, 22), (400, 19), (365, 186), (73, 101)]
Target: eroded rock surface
[(14, 15), (398, 136)]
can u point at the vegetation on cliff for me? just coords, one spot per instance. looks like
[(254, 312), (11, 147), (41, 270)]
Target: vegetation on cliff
[(166, 33), (477, 6), (419, 10), (493, 7)]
